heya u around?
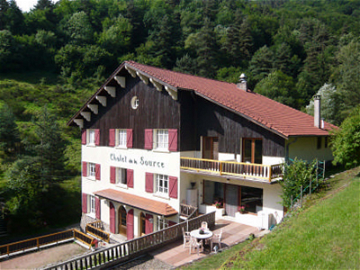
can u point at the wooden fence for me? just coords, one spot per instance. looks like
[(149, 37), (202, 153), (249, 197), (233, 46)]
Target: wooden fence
[(130, 249), (95, 229), (41, 241)]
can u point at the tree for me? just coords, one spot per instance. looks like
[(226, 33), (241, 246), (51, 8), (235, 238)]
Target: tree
[(44, 4), (9, 134), (278, 86), (4, 6), (6, 49), (330, 104), (79, 29), (346, 142), (346, 76), (206, 51), (186, 65), (16, 24), (261, 63)]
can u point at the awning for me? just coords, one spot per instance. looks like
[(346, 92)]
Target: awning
[(148, 205)]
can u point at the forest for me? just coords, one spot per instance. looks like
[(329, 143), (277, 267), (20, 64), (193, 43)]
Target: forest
[(55, 56)]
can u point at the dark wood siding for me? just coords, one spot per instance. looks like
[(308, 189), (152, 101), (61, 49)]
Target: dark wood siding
[(205, 118), (156, 110)]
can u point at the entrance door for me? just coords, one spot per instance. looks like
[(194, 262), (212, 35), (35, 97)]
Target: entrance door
[(142, 224), (122, 220), (231, 200), (252, 151), (210, 148)]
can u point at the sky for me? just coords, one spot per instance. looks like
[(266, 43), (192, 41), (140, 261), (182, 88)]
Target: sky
[(26, 5)]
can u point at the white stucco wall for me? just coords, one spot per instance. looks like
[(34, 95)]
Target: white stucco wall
[(306, 148), (167, 163)]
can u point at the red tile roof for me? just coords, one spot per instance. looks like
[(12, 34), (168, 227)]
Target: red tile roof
[(273, 115), (156, 207)]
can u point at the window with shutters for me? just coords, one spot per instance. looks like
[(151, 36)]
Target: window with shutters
[(91, 137), (121, 178), (91, 170), (91, 204), (161, 139), (161, 185), (162, 223), (121, 138)]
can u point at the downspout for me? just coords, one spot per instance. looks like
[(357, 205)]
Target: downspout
[(287, 150)]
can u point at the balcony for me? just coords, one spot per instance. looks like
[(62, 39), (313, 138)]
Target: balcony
[(248, 171)]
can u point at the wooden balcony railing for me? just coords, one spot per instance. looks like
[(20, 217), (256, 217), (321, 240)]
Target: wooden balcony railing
[(96, 229), (259, 171)]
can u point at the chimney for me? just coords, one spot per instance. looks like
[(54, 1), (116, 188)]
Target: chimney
[(317, 113), (242, 83)]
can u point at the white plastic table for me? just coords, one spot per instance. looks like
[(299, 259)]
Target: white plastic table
[(207, 234)]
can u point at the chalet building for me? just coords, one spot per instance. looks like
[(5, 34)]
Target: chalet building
[(154, 140)]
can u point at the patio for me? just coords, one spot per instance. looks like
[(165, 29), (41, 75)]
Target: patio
[(176, 255)]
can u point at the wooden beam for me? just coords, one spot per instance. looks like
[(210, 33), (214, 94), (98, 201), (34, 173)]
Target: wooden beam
[(111, 90), (121, 81), (79, 122), (172, 92), (86, 115), (94, 108), (143, 77), (131, 71), (157, 85), (102, 100)]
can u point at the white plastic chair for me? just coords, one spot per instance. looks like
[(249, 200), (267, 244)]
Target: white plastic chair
[(186, 236), (216, 239), (195, 244), (204, 225)]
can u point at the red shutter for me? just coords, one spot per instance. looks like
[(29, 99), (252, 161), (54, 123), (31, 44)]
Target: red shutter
[(97, 207), (173, 185), (149, 182), (112, 175), (148, 139), (97, 136), (83, 136), (84, 168), (149, 227), (84, 203), (173, 139), (130, 224), (111, 137), (129, 138), (130, 178), (97, 172), (112, 218)]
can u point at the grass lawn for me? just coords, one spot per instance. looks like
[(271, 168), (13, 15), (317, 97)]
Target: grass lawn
[(324, 234)]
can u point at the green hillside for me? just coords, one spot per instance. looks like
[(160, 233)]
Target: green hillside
[(324, 234)]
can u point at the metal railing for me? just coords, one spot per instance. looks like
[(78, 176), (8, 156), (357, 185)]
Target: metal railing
[(260, 171), (130, 249), (187, 210)]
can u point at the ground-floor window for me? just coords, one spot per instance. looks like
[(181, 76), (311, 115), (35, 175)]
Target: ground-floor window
[(213, 192), (91, 204), (161, 223), (252, 199)]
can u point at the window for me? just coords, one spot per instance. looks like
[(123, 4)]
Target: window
[(162, 184), (252, 199), (91, 204), (252, 151), (162, 139), (318, 143), (121, 176), (161, 223), (122, 138), (91, 136), (92, 170)]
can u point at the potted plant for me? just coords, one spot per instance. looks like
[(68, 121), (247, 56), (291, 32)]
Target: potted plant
[(242, 209), (201, 231), (218, 204)]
